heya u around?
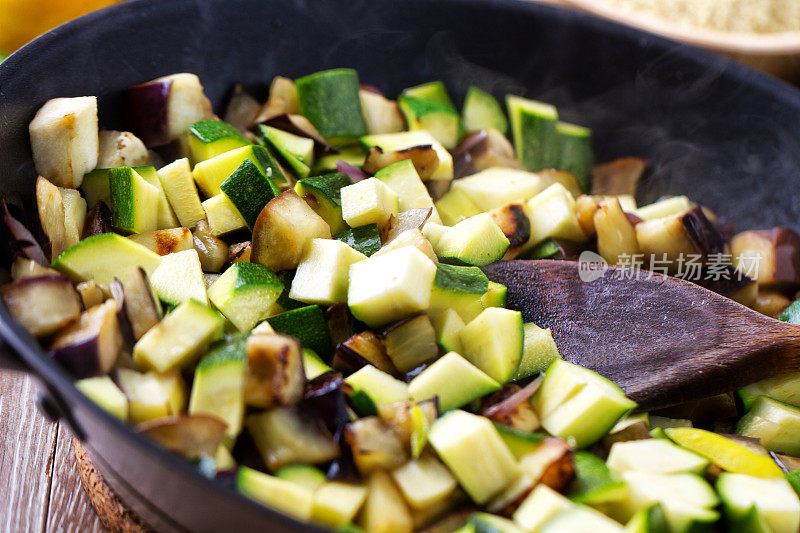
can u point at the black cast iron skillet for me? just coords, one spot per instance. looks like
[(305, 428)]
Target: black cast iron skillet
[(724, 134)]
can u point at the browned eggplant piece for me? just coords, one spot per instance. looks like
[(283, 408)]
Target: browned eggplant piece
[(300, 125), (19, 239), (160, 110), (353, 172), (404, 221), (423, 157), (381, 114), (772, 257), (239, 252), (291, 435), (452, 522), (213, 251), (98, 221), (325, 396), (23, 267), (142, 306), (362, 349), (564, 177), (399, 416), (511, 406), (50, 206), (585, 206), (374, 445), (410, 237), (770, 303), (550, 463), (118, 295), (43, 304), (275, 374), (190, 436), (340, 322), (90, 346), (165, 241), (242, 109), (703, 233), (620, 176), (410, 342), (483, 149), (516, 226), (616, 234), (686, 235), (91, 294), (282, 99)]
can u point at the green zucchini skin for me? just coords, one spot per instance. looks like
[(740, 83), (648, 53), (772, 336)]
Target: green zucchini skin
[(329, 100)]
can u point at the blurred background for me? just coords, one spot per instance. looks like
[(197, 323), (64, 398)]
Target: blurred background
[(764, 34)]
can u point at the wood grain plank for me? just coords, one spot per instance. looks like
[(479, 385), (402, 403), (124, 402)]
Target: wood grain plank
[(69, 509), (27, 445)]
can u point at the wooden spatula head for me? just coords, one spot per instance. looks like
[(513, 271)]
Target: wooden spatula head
[(664, 341)]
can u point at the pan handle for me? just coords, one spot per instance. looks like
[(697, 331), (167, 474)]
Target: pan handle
[(9, 359)]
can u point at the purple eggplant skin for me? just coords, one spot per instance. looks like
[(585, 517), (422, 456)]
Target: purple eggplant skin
[(462, 156), (190, 436), (324, 395), (147, 106), (340, 322), (98, 221), (20, 241), (125, 327), (90, 346), (354, 173), (347, 360), (703, 234), (42, 304)]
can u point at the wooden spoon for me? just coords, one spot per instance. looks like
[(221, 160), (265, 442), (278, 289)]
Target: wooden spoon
[(663, 340)]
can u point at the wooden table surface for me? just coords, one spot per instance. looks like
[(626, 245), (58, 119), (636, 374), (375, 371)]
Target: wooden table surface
[(39, 485)]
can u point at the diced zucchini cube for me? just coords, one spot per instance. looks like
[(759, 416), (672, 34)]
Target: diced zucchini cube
[(179, 278), (448, 326), (165, 216), (222, 215), (459, 438), (575, 152), (453, 380), (654, 455), (105, 393), (533, 125), (379, 386), (336, 503), (322, 193), (498, 186), (663, 208), (581, 518), (365, 239), (306, 324), (368, 202), (476, 241), (182, 336), (322, 275), (579, 405), (210, 174), (460, 289), (538, 352), (784, 387), (218, 387), (132, 201), (295, 150), (390, 142), (482, 111), (542, 504), (774, 500), (775, 424), (385, 510), (493, 342), (176, 180), (249, 190), (552, 214), (210, 138), (455, 205), (403, 179), (432, 91), (245, 293), (312, 363), (389, 287), (329, 100), (151, 395), (424, 481), (104, 257), (441, 121), (284, 496)]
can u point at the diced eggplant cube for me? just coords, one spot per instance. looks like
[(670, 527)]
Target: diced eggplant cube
[(771, 257), (165, 241), (50, 205), (190, 436), (121, 149), (65, 139), (90, 346), (42, 304), (410, 342), (275, 374), (374, 445)]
